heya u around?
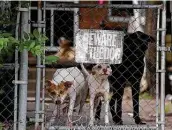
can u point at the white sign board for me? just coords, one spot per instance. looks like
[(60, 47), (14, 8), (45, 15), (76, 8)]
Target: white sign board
[(99, 46)]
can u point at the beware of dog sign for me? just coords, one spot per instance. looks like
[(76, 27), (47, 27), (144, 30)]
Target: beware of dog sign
[(99, 46)]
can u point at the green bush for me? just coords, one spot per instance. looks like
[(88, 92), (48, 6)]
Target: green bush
[(33, 42), (146, 96)]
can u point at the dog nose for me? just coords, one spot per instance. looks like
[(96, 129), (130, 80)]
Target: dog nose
[(104, 70), (58, 102)]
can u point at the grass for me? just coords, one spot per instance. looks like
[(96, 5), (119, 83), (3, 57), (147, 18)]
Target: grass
[(146, 96), (1, 125), (88, 98), (168, 107), (30, 125)]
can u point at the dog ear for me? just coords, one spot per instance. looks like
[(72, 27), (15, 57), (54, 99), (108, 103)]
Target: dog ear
[(68, 84), (130, 36), (62, 82), (93, 72), (141, 36), (145, 37), (48, 83)]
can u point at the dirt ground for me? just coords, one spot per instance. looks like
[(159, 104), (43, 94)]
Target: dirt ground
[(147, 113)]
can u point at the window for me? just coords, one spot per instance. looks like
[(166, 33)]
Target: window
[(123, 15), (122, 12), (168, 18), (63, 25), (59, 22), (120, 15)]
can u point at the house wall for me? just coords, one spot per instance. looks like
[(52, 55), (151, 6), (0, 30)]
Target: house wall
[(92, 17)]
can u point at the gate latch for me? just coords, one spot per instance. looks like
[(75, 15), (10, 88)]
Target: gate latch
[(41, 24), (20, 82), (165, 48)]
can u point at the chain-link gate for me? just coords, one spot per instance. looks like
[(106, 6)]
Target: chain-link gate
[(65, 80), (7, 95), (124, 95), (66, 20), (8, 92)]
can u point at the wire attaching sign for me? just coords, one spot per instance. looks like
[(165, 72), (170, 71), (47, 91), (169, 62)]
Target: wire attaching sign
[(99, 46)]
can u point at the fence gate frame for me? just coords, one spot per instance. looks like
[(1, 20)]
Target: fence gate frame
[(161, 68), (160, 56)]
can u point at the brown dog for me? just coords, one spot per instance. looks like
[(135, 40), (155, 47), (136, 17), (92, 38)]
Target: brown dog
[(65, 52), (59, 90), (68, 88)]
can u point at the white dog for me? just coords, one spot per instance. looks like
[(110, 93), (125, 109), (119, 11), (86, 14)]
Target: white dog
[(67, 84), (98, 87)]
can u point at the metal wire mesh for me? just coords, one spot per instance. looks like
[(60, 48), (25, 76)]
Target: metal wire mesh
[(64, 21), (7, 95), (7, 69), (131, 85)]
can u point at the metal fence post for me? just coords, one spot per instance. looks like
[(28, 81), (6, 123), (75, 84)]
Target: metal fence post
[(38, 74), (157, 73), (23, 76), (43, 72), (16, 73), (163, 57)]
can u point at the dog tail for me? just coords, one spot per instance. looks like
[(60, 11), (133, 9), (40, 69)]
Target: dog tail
[(84, 70)]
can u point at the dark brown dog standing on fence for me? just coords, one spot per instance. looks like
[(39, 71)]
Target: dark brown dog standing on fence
[(131, 69)]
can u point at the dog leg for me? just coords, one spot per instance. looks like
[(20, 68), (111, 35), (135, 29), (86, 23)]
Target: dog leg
[(83, 99), (91, 123), (98, 111), (81, 108), (53, 118), (120, 94), (135, 97), (116, 100), (71, 107), (106, 97), (65, 109), (112, 106)]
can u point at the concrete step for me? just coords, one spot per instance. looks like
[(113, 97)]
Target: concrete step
[(48, 73), (32, 94), (32, 73), (32, 89), (32, 99), (32, 85), (32, 61)]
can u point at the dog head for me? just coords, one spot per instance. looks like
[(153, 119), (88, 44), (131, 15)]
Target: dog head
[(63, 42), (58, 92), (102, 70), (140, 36), (138, 39)]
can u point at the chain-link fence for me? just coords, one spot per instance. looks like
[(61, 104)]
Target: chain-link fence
[(65, 26), (120, 85), (7, 67), (7, 95)]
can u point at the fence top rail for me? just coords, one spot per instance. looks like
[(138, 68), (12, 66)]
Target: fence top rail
[(117, 6)]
